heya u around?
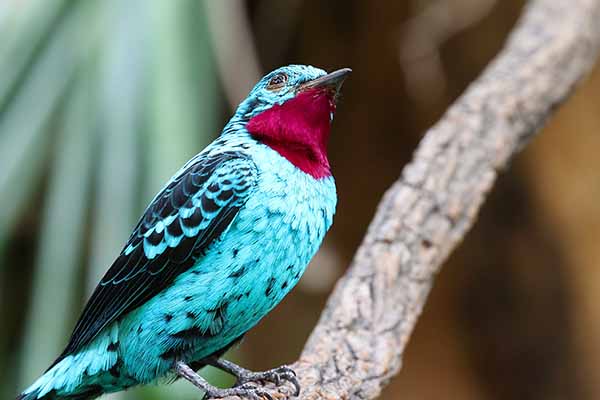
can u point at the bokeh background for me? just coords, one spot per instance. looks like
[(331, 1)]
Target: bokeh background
[(102, 100)]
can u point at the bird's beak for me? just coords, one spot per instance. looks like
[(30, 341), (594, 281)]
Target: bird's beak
[(331, 82)]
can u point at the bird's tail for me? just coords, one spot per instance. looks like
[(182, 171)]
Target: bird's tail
[(69, 379)]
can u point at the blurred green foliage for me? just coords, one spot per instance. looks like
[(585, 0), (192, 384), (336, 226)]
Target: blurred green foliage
[(100, 102)]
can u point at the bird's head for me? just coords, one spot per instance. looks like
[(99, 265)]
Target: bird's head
[(291, 110)]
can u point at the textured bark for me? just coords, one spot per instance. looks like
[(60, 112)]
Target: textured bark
[(357, 346)]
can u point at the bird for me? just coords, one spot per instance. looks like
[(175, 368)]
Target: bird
[(220, 245)]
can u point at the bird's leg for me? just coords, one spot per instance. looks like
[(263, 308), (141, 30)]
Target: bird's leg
[(211, 392), (276, 375)]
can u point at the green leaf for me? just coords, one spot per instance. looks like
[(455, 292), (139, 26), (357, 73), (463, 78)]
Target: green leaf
[(62, 236), (184, 98), (26, 33), (24, 139), (117, 190)]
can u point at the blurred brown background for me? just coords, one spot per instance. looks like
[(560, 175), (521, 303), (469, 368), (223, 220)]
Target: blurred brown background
[(513, 314)]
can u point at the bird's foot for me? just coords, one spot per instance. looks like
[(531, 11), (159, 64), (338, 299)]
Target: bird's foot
[(276, 376), (246, 391)]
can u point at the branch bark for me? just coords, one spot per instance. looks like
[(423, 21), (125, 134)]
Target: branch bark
[(357, 346)]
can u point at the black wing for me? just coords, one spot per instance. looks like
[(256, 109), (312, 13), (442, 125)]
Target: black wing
[(189, 214)]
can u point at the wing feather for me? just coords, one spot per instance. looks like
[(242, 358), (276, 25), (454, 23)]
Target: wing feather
[(194, 209)]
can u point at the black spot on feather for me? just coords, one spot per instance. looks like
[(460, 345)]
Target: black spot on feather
[(214, 188), (270, 284), (115, 370), (113, 346), (225, 195), (190, 315), (238, 272), (194, 219), (168, 317), (174, 229), (190, 334), (155, 238), (208, 205), (218, 319)]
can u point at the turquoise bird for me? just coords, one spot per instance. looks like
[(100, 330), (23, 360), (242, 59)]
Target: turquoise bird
[(216, 250)]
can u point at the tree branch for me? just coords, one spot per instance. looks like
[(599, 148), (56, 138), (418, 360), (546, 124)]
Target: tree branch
[(357, 346)]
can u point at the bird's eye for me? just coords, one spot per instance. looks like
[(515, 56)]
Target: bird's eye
[(277, 82)]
